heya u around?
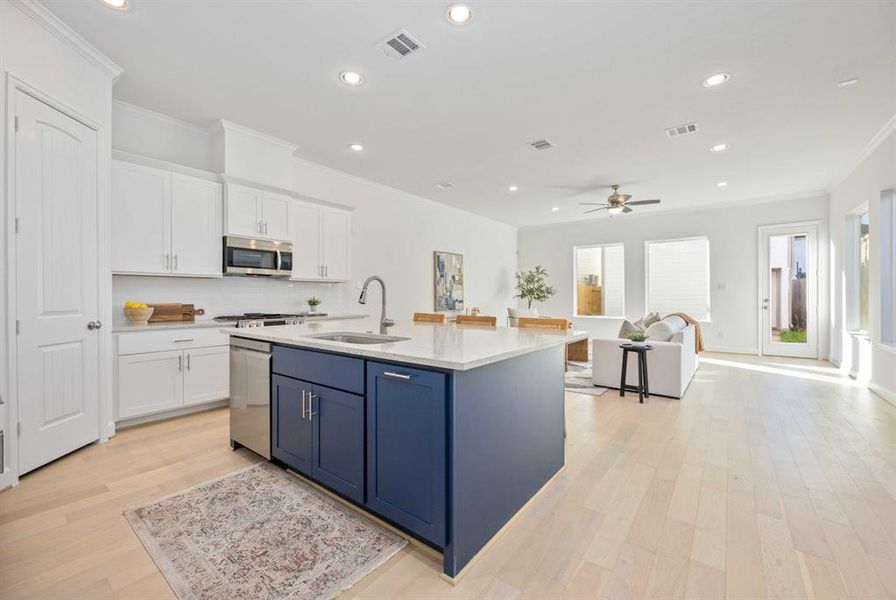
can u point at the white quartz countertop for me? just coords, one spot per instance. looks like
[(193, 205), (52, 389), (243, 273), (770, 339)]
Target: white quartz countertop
[(207, 322), (448, 346)]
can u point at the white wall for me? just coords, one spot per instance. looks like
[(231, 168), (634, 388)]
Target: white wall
[(733, 235), (874, 173), (393, 235)]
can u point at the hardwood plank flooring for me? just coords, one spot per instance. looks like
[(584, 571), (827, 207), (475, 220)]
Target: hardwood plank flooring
[(772, 478)]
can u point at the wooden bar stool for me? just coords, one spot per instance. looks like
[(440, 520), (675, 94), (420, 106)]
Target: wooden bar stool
[(643, 387), (429, 317), (477, 320)]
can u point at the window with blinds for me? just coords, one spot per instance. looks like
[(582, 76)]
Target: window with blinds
[(678, 277)]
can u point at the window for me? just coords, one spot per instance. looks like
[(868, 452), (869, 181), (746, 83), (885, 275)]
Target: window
[(678, 277), (600, 281), (864, 253), (888, 267)]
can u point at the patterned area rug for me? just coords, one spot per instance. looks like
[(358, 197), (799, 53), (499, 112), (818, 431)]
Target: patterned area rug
[(578, 380), (260, 533)]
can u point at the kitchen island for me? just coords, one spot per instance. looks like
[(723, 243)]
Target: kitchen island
[(446, 432)]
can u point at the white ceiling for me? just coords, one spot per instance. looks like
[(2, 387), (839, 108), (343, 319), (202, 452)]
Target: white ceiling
[(601, 80)]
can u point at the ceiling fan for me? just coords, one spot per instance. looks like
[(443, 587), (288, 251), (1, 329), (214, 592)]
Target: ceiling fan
[(617, 203)]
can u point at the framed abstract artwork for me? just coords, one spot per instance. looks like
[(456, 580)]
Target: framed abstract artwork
[(448, 270)]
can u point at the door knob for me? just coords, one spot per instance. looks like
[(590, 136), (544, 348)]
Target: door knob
[(91, 325)]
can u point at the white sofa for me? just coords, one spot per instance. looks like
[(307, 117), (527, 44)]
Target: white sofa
[(670, 365)]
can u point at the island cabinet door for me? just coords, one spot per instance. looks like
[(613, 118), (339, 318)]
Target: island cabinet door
[(291, 425), (406, 460), (338, 449)]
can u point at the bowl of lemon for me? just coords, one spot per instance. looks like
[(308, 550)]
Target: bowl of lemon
[(137, 312)]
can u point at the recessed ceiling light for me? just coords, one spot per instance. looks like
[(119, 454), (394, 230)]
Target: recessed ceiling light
[(351, 78), (555, 208), (459, 14), (717, 79), (513, 188), (116, 4), (722, 183), (719, 148), (356, 147), (848, 82)]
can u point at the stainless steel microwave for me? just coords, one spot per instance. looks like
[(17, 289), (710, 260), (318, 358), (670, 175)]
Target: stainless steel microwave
[(250, 256)]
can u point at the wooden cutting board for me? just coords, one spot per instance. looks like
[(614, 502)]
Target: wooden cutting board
[(172, 312)]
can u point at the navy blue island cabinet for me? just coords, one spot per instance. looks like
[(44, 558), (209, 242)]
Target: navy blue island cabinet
[(449, 456)]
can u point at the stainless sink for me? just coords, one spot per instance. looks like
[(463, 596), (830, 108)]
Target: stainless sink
[(348, 337)]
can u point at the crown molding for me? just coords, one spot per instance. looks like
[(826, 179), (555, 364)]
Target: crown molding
[(151, 114), (41, 15), (231, 127), (879, 138)]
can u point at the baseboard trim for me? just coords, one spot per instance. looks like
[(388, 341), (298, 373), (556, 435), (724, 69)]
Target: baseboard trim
[(171, 414), (884, 393), (731, 350)]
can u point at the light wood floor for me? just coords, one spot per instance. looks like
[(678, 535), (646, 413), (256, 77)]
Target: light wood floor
[(772, 478)]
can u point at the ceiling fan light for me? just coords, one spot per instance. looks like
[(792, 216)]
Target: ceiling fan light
[(615, 210)]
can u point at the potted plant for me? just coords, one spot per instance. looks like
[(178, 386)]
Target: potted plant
[(313, 303), (638, 339), (532, 285)]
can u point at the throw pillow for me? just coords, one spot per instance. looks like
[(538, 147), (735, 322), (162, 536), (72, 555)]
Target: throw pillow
[(628, 328), (651, 319), (662, 331)]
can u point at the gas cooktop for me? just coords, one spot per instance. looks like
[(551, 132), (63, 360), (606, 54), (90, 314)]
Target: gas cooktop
[(266, 319)]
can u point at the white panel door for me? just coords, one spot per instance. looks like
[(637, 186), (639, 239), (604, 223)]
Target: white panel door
[(243, 211), (149, 383), (141, 218), (275, 216), (336, 232), (56, 282), (306, 247), (788, 286), (206, 374), (196, 226)]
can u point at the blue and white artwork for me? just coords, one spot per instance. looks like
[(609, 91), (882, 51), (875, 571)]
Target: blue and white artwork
[(449, 281)]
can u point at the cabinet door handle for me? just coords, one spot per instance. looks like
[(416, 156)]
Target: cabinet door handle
[(394, 375), (185, 340), (180, 362), (188, 362), (265, 227), (304, 409), (326, 270), (167, 262), (258, 225), (175, 262), (311, 398)]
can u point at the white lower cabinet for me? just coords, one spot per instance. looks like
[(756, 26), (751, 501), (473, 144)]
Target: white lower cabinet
[(160, 371), (206, 374)]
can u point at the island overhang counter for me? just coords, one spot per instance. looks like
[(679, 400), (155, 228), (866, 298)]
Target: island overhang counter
[(446, 434)]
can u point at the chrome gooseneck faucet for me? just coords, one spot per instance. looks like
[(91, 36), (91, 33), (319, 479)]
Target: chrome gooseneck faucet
[(385, 322)]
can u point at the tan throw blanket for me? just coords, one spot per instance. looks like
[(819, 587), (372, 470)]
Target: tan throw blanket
[(698, 337)]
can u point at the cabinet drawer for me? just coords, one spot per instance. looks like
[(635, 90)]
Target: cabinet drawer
[(170, 339), (331, 370)]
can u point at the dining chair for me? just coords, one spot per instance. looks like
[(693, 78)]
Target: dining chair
[(543, 323), (476, 320), (429, 317)]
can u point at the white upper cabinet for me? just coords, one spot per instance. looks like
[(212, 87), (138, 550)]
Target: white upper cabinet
[(243, 213), (306, 243), (196, 238), (275, 216), (336, 226), (164, 223), (255, 213), (141, 219), (321, 242)]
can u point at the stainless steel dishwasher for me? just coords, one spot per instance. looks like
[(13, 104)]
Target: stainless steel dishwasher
[(250, 395)]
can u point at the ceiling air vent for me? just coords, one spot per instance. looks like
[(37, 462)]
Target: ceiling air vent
[(681, 130), (400, 44), (541, 144), (445, 185)]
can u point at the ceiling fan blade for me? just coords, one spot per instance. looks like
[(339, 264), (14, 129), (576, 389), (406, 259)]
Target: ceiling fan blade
[(593, 204), (643, 202), (626, 209), (595, 210), (624, 197)]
